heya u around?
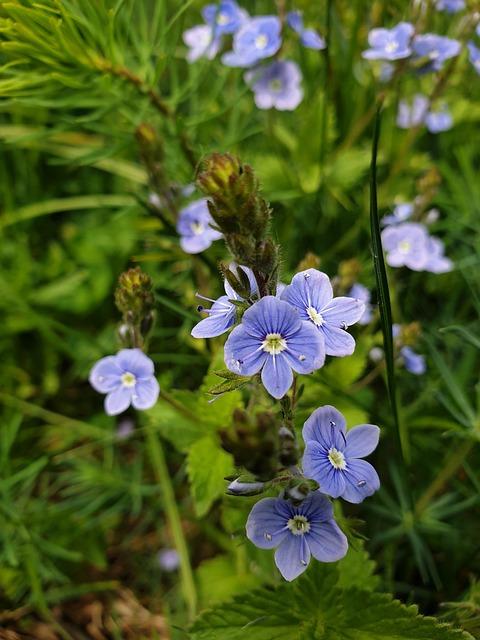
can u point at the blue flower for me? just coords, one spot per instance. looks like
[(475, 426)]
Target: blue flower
[(276, 86), (474, 56), (333, 455), (390, 44), (257, 39), (222, 313), (194, 226), (361, 292), (311, 293), (409, 245), (450, 6), (201, 42), (400, 213), (297, 532), (435, 50), (273, 339), (128, 379), (226, 17), (413, 362), (308, 37), (438, 120), (414, 115)]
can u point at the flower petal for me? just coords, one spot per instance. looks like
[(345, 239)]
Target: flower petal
[(136, 362), (316, 507), (317, 466), (343, 311), (361, 480), (105, 375), (271, 315), (277, 376), (326, 541), (309, 288), (337, 341), (267, 523), (146, 393), (292, 556), (361, 440), (118, 400), (319, 425), (221, 316), (306, 349), (243, 353)]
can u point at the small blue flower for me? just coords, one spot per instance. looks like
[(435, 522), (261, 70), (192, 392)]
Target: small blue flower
[(276, 86), (400, 213), (450, 6), (128, 379), (438, 120), (257, 39), (474, 56), (308, 37), (222, 313), (333, 455), (407, 245), (435, 50), (360, 292), (311, 293), (390, 44), (201, 42), (168, 560), (413, 362), (414, 115), (194, 226), (297, 532), (273, 339), (226, 17)]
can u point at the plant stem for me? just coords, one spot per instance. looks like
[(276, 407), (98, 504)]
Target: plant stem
[(162, 476)]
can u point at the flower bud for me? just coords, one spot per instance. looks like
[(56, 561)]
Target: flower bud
[(240, 488)]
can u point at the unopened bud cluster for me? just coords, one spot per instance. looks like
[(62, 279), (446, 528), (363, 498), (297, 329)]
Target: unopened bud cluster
[(135, 300)]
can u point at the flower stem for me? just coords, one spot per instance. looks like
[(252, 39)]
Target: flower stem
[(162, 476)]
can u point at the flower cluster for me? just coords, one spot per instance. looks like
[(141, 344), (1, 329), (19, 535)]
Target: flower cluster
[(418, 113), (254, 39), (194, 226)]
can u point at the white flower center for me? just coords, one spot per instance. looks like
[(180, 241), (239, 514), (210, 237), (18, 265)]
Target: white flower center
[(298, 525), (434, 54), (404, 246), (274, 343), (128, 379), (197, 227), (275, 84), (222, 18), (391, 47), (261, 41), (315, 316), (337, 459)]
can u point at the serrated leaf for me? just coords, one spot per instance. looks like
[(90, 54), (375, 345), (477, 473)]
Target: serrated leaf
[(226, 386), (207, 467)]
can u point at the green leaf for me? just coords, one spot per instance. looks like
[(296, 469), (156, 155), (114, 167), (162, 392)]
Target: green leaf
[(207, 467), (315, 607), (356, 569)]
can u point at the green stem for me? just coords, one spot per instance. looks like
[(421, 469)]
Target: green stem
[(162, 476)]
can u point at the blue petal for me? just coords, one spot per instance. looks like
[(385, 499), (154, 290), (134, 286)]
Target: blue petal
[(292, 556), (337, 341), (319, 427), (311, 39), (251, 279), (306, 349), (361, 440), (317, 466), (277, 376), (361, 480), (105, 375), (267, 523), (136, 362), (221, 316), (243, 353), (118, 400), (316, 507), (309, 288), (326, 541), (145, 394), (343, 311), (271, 315)]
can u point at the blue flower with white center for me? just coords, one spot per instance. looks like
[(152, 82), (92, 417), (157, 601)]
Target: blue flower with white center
[(128, 379), (474, 56), (226, 17), (297, 532), (276, 86), (222, 313), (257, 39), (407, 245), (413, 115), (194, 226), (311, 293), (400, 213), (434, 50), (201, 42), (439, 120), (450, 6), (413, 362), (308, 37), (360, 292), (333, 456), (273, 339), (390, 44)]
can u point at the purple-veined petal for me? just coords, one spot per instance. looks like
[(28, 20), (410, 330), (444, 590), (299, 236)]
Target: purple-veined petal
[(271, 315), (136, 362), (337, 341), (326, 541), (319, 425), (361, 480), (105, 375), (292, 556), (362, 440), (267, 523), (343, 311), (317, 466), (316, 507), (146, 393), (306, 349), (118, 400), (244, 353), (309, 288), (221, 316), (277, 376)]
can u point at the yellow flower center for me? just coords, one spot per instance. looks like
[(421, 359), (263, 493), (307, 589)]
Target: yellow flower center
[(315, 316), (274, 344), (197, 227), (337, 459), (404, 246), (222, 18), (261, 41), (128, 379), (298, 525)]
